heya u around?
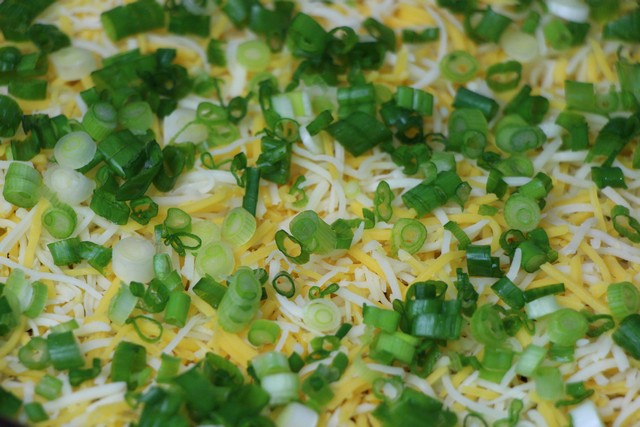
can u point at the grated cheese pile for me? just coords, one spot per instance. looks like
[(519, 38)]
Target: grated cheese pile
[(576, 218)]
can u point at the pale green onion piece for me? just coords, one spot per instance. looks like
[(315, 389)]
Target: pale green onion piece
[(296, 414), (73, 63), (541, 307), (122, 305), (137, 117), (272, 362), (238, 227), (282, 387), (207, 231), (132, 260), (322, 315), (254, 55), (180, 126), (520, 46), (530, 360), (60, 180), (75, 150), (19, 288), (39, 298), (215, 259)]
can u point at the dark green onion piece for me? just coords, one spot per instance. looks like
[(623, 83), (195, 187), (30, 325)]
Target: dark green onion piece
[(426, 35), (31, 90), (625, 224), (522, 212), (534, 294), (489, 28), (359, 132), (210, 291), (508, 292), (138, 17), (382, 201), (64, 351), (627, 335), (459, 234), (466, 98), (608, 176), (624, 28), (481, 263), (129, 363), (504, 76), (284, 284)]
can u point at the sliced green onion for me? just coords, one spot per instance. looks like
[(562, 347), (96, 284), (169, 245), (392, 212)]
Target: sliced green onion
[(31, 90), (466, 98), (133, 18), (386, 320), (522, 213), (65, 252), (606, 176), (313, 233), (177, 309), (359, 132), (241, 302), (543, 291), (64, 351), (504, 76), (487, 327), (481, 263), (627, 335), (530, 360), (467, 132), (122, 305), (623, 299), (490, 26), (549, 384), (100, 120), (133, 260), (238, 227), (129, 363), (73, 63), (284, 284), (35, 412), (624, 223), (49, 387), (136, 116), (263, 332), (382, 201), (269, 363), (254, 55), (459, 66), (210, 291), (22, 185), (60, 179), (414, 99), (426, 35), (169, 368), (60, 221), (39, 297), (508, 292), (34, 354), (459, 234), (215, 259), (398, 345), (495, 364), (408, 234), (322, 315), (10, 116), (566, 326), (541, 307), (75, 150)]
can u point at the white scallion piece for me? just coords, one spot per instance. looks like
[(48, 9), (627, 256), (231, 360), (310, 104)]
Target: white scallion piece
[(133, 260)]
